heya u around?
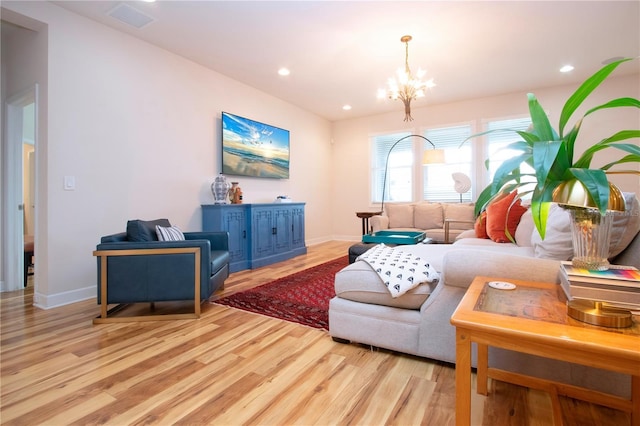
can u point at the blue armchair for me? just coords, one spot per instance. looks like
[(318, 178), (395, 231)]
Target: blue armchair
[(134, 267)]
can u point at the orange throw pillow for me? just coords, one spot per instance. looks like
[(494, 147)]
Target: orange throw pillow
[(497, 218), (481, 226)]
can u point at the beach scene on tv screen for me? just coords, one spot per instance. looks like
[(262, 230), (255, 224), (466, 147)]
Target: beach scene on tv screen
[(251, 148)]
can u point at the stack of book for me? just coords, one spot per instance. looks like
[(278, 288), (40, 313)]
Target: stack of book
[(619, 285)]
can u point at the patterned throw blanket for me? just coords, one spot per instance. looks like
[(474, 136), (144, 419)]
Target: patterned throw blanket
[(400, 271)]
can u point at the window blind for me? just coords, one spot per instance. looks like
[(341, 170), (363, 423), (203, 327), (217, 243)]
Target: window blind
[(438, 183)]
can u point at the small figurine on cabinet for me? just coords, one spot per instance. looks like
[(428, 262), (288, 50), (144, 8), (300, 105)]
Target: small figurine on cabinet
[(235, 193)]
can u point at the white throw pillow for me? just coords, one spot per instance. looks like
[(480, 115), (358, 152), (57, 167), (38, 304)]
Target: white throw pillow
[(625, 225), (171, 233), (525, 229), (557, 243)]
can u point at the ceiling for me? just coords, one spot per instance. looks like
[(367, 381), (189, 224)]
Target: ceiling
[(342, 52)]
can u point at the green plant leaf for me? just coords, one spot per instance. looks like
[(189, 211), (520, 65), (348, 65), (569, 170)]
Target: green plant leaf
[(545, 154), (632, 158), (475, 135), (539, 120), (616, 103), (483, 199), (507, 169), (585, 159), (540, 204), (585, 90), (530, 138), (570, 140), (596, 184)]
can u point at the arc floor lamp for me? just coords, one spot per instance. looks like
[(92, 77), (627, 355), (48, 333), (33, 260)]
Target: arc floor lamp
[(430, 156)]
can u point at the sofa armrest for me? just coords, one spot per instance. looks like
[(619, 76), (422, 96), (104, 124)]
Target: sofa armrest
[(217, 240), (379, 223), (460, 267), (447, 225)]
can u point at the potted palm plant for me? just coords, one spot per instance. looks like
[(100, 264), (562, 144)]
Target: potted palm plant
[(559, 176)]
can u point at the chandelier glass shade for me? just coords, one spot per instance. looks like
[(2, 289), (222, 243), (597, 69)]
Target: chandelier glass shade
[(404, 85)]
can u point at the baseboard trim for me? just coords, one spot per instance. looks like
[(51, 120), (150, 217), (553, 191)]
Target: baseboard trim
[(44, 301)]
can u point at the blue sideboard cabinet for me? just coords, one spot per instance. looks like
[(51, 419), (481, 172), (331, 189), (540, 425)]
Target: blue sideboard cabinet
[(259, 234)]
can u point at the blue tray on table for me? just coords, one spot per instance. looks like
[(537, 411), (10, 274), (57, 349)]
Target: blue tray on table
[(394, 237)]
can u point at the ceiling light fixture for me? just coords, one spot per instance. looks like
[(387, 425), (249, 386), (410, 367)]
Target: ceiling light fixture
[(405, 86), (284, 71), (566, 68), (346, 107)]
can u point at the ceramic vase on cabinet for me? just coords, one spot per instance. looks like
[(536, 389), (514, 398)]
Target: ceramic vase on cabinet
[(220, 189), (232, 192)]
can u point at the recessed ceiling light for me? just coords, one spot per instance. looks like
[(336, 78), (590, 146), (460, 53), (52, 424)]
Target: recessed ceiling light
[(346, 107), (566, 68), (284, 71)]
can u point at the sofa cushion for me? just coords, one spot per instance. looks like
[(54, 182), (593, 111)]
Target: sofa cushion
[(463, 212), (557, 243), (502, 216), (141, 230), (400, 215), (169, 233), (625, 225), (359, 283), (525, 230), (428, 216)]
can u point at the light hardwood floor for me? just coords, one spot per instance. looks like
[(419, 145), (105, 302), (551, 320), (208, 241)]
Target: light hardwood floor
[(231, 367)]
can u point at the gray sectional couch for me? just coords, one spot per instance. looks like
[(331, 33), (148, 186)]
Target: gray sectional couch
[(363, 311)]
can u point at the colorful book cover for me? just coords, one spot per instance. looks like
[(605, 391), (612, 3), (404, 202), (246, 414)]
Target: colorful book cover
[(616, 272)]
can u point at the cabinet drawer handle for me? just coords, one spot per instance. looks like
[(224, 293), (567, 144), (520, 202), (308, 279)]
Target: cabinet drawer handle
[(244, 234), (274, 231)]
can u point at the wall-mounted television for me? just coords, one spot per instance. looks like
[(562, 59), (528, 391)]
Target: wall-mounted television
[(251, 148)]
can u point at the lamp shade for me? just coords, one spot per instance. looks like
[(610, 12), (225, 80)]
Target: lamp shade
[(433, 156), (573, 193)]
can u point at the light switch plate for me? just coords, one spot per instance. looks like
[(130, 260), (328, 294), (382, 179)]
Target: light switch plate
[(69, 183)]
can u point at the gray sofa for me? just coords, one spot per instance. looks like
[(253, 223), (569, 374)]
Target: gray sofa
[(419, 324), (442, 222)]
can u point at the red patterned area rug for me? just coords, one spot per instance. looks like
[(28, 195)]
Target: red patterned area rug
[(302, 297)]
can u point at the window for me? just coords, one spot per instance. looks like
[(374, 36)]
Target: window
[(497, 141), (399, 182), (438, 183)]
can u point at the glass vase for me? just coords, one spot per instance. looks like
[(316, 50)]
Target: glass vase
[(590, 232)]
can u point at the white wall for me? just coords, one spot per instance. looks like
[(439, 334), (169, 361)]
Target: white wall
[(351, 166), (139, 128)]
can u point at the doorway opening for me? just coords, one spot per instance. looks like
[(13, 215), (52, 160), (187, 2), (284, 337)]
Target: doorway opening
[(20, 190)]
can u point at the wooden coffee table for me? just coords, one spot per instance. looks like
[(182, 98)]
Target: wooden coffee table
[(533, 319)]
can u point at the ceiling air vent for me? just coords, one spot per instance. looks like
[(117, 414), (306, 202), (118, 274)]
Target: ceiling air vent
[(130, 16)]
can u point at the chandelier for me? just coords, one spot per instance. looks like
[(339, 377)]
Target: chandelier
[(405, 86)]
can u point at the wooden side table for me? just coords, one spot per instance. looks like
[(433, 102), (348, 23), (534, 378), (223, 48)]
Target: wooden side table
[(365, 220), (533, 319)]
